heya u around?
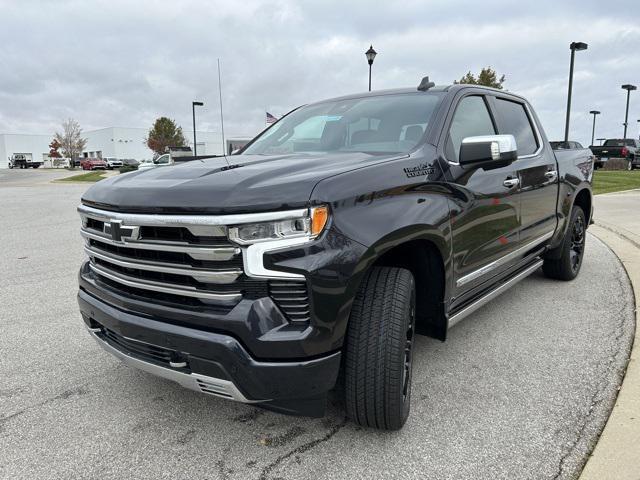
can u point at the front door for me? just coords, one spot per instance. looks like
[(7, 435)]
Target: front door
[(484, 206)]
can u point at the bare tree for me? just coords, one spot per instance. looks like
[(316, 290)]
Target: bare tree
[(70, 140)]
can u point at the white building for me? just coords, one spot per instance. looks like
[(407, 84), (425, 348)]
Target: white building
[(115, 142)]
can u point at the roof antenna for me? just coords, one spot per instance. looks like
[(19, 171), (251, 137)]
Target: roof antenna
[(224, 146), (425, 84)]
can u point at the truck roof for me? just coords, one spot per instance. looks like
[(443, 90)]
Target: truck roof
[(438, 88)]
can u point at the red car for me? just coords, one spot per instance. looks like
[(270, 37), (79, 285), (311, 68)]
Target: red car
[(93, 164)]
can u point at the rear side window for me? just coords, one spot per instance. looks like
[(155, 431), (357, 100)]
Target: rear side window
[(470, 120), (515, 121), (618, 143)]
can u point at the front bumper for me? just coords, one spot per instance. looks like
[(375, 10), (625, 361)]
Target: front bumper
[(209, 362)]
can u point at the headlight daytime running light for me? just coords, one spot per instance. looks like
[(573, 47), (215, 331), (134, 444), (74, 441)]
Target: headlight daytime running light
[(310, 226)]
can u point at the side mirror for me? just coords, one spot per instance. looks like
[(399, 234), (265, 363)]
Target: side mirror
[(488, 150)]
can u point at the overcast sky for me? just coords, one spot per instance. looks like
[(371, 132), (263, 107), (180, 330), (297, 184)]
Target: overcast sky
[(124, 63)]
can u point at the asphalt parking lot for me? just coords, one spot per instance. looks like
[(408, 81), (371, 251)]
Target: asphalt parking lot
[(519, 390)]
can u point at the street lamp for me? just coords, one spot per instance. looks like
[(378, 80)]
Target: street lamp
[(593, 129), (574, 46), (193, 111), (371, 54), (628, 88)]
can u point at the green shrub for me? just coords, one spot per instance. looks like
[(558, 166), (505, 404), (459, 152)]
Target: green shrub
[(128, 168)]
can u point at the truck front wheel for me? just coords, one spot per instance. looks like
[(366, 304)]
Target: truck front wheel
[(379, 349), (567, 265)]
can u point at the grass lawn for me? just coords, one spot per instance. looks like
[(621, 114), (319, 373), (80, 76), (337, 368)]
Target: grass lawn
[(615, 180), (93, 176)]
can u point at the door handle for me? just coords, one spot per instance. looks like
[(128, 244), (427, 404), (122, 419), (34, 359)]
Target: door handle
[(511, 182), (551, 174)]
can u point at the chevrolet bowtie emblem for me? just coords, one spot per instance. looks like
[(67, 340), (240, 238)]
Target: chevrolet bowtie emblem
[(119, 233)]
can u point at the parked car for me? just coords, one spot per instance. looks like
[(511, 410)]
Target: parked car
[(93, 164), (112, 162), (628, 148), (130, 161), (337, 235)]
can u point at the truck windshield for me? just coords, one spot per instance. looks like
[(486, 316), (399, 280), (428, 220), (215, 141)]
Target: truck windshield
[(381, 124)]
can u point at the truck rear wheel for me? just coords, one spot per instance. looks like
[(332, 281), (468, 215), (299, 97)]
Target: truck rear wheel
[(567, 266), (379, 350)]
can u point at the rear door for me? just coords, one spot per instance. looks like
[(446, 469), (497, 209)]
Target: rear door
[(536, 169), (485, 207)]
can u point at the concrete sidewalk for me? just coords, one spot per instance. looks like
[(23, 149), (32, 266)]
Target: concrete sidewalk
[(617, 453)]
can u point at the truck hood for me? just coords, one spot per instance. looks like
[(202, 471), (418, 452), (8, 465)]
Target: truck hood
[(248, 183)]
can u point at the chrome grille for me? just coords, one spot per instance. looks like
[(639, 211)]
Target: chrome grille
[(292, 298), (195, 261), (187, 261)]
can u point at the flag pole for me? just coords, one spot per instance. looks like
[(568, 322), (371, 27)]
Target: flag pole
[(224, 146)]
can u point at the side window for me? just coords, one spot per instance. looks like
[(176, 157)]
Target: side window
[(471, 119), (515, 121)]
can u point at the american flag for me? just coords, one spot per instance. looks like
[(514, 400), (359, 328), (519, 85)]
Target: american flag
[(271, 118)]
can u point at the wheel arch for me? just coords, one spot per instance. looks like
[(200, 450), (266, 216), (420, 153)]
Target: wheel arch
[(583, 200), (427, 257)]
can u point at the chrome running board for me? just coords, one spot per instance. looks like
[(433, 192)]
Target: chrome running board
[(493, 293)]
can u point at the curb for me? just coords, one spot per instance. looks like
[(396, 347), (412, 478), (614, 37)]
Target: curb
[(617, 453), (618, 192)]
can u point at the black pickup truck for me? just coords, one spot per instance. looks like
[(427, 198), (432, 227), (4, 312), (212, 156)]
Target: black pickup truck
[(627, 148), (328, 243)]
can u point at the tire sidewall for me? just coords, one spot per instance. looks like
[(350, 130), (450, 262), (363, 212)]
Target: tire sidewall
[(410, 322), (382, 320), (566, 254)]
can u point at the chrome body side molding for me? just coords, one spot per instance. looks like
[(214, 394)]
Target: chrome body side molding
[(493, 293), (502, 260)]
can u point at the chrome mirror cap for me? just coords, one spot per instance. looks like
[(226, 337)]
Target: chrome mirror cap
[(485, 149)]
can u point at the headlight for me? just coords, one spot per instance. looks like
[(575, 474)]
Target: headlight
[(309, 226)]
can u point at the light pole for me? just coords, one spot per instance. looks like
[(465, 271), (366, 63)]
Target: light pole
[(628, 88), (193, 111), (574, 46), (593, 129), (371, 55)]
